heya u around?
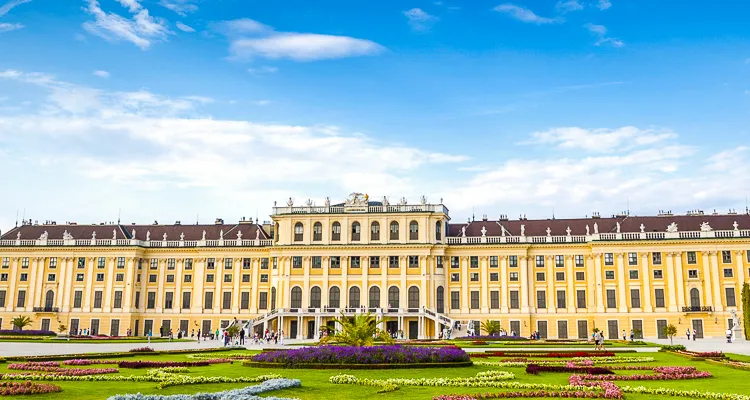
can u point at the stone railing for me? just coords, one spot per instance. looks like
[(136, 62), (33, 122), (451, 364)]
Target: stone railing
[(392, 208), (737, 233), (140, 243)]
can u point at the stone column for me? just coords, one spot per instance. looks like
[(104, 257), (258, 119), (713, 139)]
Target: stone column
[(671, 282), (236, 279), (33, 293), (255, 265), (549, 264), (679, 280), (110, 282), (504, 284), (484, 279), (591, 284), (345, 280), (621, 277), (11, 296), (63, 282), (646, 283), (525, 280), (88, 290), (162, 279), (364, 264), (424, 288), (740, 269), (384, 281), (571, 295), (218, 294), (598, 288), (199, 277), (130, 287), (714, 273), (179, 266)]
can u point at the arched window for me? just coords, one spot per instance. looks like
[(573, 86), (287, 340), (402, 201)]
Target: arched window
[(296, 297), (440, 299), (334, 297), (353, 297), (356, 230), (49, 299), (374, 297), (413, 297), (317, 232), (413, 230), (375, 231), (393, 297), (273, 298), (298, 232), (394, 230), (336, 231), (695, 298), (315, 297), (438, 231)]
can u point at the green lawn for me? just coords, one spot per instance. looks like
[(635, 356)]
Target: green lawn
[(315, 382)]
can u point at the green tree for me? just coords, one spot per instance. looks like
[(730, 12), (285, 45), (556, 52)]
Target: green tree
[(21, 322), (234, 330), (746, 309), (492, 328), (359, 330), (670, 331)]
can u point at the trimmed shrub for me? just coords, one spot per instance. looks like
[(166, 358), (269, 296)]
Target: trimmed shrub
[(30, 332)]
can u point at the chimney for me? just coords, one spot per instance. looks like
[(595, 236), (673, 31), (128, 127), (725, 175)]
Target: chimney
[(219, 221), (177, 223)]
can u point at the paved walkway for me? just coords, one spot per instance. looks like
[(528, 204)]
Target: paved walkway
[(712, 344)]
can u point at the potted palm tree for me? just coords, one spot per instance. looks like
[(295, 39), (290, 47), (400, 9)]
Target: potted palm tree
[(20, 322)]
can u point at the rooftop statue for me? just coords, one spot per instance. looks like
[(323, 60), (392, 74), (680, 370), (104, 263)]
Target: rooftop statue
[(706, 227), (672, 228), (643, 228)]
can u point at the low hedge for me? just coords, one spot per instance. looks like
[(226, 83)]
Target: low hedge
[(255, 364), (114, 354), (535, 369), (673, 347), (32, 332)]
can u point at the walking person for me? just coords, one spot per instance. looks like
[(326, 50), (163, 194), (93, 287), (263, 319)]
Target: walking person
[(624, 336), (148, 335), (688, 333), (632, 335), (694, 334), (199, 335), (242, 337)]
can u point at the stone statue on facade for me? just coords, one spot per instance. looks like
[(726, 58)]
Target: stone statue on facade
[(204, 236), (596, 228), (463, 231), (484, 231), (18, 236), (67, 235), (257, 233), (643, 228), (523, 230), (44, 236), (736, 226), (549, 231), (367, 198), (148, 236), (239, 235), (588, 232), (385, 201), (568, 230), (114, 234), (706, 227), (356, 199), (164, 236), (502, 230), (182, 235), (93, 235), (221, 234), (328, 202), (423, 200), (290, 202), (672, 228), (403, 201), (309, 203), (618, 227)]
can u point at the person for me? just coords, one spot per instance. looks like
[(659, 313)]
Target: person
[(597, 340), (694, 334), (199, 335), (624, 336), (688, 333), (729, 335), (170, 334), (632, 335), (148, 335), (281, 337), (217, 334)]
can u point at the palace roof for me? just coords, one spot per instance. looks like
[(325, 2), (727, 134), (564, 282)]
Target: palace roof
[(139, 232)]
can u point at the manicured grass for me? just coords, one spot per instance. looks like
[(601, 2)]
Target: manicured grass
[(315, 382)]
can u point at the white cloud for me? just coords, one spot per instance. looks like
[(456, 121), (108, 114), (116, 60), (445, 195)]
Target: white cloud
[(566, 6), (304, 47), (141, 30), (242, 26), (184, 28), (262, 70), (7, 27), (600, 31), (419, 20), (181, 7), (597, 29), (4, 9), (604, 4), (101, 74), (524, 14), (262, 102), (132, 5), (600, 140)]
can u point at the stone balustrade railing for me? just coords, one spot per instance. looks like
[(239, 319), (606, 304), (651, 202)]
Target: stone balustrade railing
[(140, 243), (391, 208), (737, 233)]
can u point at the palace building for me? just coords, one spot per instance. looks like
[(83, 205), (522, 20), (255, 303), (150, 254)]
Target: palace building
[(407, 263)]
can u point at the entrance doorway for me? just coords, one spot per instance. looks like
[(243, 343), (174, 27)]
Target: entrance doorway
[(292, 329), (391, 327), (698, 328), (413, 329), (311, 329)]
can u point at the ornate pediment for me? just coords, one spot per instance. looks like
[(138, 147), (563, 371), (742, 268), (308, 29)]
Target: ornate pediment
[(356, 200)]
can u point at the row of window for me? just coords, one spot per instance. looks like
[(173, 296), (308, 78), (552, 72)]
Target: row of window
[(356, 231)]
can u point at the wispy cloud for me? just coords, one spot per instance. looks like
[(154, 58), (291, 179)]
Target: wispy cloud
[(566, 6), (262, 70), (600, 31), (241, 26), (181, 7), (101, 73), (524, 14), (419, 20), (142, 29), (604, 4), (303, 47), (5, 8), (184, 28), (7, 27), (262, 102), (600, 140)]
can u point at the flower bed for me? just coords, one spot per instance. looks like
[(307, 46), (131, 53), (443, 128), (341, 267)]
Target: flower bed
[(701, 355), (22, 388), (30, 332), (160, 364), (141, 350), (479, 343), (493, 337), (247, 393), (368, 355), (608, 390), (57, 370), (482, 379), (556, 354), (745, 366), (580, 361), (661, 374), (115, 354), (535, 369)]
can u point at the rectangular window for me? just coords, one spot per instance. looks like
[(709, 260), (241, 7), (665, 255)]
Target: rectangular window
[(50, 277), (170, 278), (154, 264), (3, 277), (580, 299), (6, 262), (335, 262), (78, 298), (171, 263), (275, 263), (211, 263), (439, 262), (245, 301), (413, 261), (474, 262), (609, 274), (562, 329), (693, 274), (227, 278), (98, 299), (186, 297), (119, 277), (114, 327), (559, 276), (263, 278), (514, 304), (455, 277), (580, 276), (208, 300), (659, 297), (513, 276), (102, 263), (726, 256), (455, 262), (692, 258), (2, 298), (559, 261), (100, 277), (152, 278), (53, 262), (151, 300), (187, 278), (209, 278), (656, 258), (81, 262), (728, 272), (455, 300), (541, 299), (579, 261), (120, 262), (247, 263), (317, 262), (494, 277), (245, 278), (583, 329), (263, 263), (137, 302), (392, 261), (24, 277), (474, 277), (731, 299), (609, 259), (493, 261), (297, 262), (354, 262), (611, 298), (540, 276), (658, 274), (21, 299), (540, 261), (632, 258), (262, 300), (638, 328), (474, 299), (188, 264), (494, 300), (168, 300), (228, 263), (513, 261), (561, 303), (635, 298), (633, 273)]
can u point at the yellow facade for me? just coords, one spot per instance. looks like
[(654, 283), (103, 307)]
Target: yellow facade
[(426, 273)]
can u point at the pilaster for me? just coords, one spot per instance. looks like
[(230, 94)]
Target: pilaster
[(646, 283)]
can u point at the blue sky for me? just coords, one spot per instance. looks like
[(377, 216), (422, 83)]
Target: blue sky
[(168, 109)]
